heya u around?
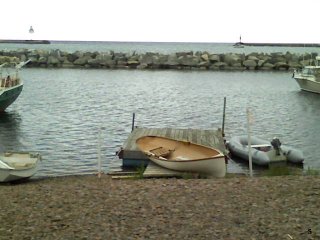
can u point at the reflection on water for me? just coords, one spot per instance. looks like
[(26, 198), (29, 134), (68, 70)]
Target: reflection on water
[(9, 130), (60, 112)]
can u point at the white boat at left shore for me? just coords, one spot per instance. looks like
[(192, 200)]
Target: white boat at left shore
[(18, 165)]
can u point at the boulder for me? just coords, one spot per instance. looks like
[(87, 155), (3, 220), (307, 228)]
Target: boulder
[(146, 58), (189, 61), (133, 63), (110, 63), (251, 57), (67, 64), (105, 59), (94, 63), (42, 60), (250, 64), (281, 66), (294, 65), (184, 54), (72, 57), (122, 64), (53, 61), (24, 58), (236, 66), (204, 64), (213, 58), (231, 59), (218, 66), (160, 60), (82, 60), (120, 57), (205, 57), (172, 61), (267, 66), (261, 62), (142, 66)]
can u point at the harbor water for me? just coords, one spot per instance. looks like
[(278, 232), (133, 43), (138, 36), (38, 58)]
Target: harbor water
[(62, 112)]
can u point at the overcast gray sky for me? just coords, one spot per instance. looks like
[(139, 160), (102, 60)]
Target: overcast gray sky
[(162, 20)]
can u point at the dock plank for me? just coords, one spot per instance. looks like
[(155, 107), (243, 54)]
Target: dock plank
[(154, 170)]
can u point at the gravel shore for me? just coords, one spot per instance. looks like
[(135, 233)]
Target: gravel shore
[(86, 207)]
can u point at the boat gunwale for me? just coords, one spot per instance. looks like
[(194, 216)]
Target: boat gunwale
[(149, 154), (11, 165), (11, 87), (220, 155)]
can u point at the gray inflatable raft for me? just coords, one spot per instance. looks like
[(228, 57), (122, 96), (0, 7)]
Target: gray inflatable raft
[(263, 152)]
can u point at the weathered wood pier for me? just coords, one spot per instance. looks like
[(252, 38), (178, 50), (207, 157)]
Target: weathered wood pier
[(132, 157)]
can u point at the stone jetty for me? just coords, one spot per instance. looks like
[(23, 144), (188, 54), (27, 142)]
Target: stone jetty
[(150, 60)]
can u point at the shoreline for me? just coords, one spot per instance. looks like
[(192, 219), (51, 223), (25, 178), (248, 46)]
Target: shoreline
[(278, 44), (261, 44), (76, 207), (25, 41)]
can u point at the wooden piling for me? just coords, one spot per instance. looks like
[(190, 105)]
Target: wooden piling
[(133, 119), (224, 114)]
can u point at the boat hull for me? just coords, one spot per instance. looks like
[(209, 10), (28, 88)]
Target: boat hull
[(214, 167), (8, 96), (14, 175), (184, 156), (17, 166), (308, 85)]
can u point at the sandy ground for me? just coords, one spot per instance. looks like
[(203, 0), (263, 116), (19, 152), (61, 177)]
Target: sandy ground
[(86, 207)]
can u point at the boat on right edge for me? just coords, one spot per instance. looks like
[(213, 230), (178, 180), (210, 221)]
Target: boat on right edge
[(308, 78)]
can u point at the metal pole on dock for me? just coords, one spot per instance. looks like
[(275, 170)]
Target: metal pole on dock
[(133, 117), (249, 121), (99, 152), (224, 114)]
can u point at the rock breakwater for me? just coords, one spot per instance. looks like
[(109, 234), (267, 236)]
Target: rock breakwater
[(150, 60)]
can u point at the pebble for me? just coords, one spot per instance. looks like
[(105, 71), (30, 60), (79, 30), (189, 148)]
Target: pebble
[(85, 207)]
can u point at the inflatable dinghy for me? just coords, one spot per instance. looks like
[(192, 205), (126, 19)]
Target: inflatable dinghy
[(264, 152)]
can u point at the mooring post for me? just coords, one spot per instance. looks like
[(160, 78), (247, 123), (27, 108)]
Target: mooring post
[(133, 117), (99, 152), (224, 115), (249, 121)]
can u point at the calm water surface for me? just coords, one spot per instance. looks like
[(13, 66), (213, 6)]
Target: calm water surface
[(60, 113)]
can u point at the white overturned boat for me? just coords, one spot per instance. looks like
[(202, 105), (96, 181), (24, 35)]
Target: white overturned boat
[(17, 165), (183, 156), (264, 152)]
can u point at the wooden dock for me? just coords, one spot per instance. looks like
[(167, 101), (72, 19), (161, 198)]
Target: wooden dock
[(132, 157), (154, 170)]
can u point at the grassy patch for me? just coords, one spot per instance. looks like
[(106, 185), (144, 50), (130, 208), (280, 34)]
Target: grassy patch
[(190, 175), (280, 171), (140, 171), (312, 172)]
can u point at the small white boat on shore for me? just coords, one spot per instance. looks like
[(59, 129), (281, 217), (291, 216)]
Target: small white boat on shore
[(183, 156), (308, 78), (18, 165), (264, 152)]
